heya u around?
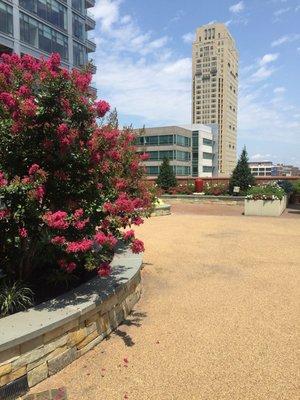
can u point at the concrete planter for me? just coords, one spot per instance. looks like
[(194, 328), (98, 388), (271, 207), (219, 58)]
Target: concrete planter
[(162, 209), (41, 341), (267, 208)]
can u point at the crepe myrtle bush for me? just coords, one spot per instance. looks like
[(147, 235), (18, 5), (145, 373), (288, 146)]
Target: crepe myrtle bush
[(69, 186)]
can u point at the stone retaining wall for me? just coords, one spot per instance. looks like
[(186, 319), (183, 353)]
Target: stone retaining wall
[(42, 341), (196, 198)]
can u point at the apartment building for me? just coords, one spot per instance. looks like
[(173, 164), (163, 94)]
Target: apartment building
[(263, 168), (191, 149), (215, 88), (41, 27)]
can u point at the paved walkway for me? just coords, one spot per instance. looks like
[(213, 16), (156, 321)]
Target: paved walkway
[(218, 318)]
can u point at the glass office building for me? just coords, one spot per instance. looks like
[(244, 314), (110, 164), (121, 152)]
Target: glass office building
[(41, 27)]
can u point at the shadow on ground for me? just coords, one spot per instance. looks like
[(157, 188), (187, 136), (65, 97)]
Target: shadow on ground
[(134, 319)]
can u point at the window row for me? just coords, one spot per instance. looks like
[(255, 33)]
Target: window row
[(50, 10), (179, 170), (162, 140), (6, 18), (170, 154)]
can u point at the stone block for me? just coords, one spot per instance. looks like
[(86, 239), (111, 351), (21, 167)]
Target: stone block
[(76, 336), (5, 369), (104, 324), (59, 342), (31, 345), (28, 358), (91, 319), (5, 379), (90, 345), (88, 339), (47, 357), (109, 303), (57, 332), (9, 355), (37, 374), (62, 360), (91, 328)]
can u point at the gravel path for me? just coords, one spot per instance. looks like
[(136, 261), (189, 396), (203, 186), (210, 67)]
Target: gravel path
[(218, 318)]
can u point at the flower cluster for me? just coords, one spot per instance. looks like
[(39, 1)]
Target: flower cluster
[(271, 191), (68, 187)]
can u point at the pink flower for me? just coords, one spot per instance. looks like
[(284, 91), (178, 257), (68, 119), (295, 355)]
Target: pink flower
[(39, 193), (58, 240), (8, 100), (4, 214), (128, 235), (3, 181), (54, 61), (33, 169), (29, 107), (56, 220), (137, 221), (103, 239), (102, 107), (68, 267), (144, 157), (23, 232), (80, 246), (62, 129), (78, 213), (137, 246), (24, 90), (104, 269), (81, 224)]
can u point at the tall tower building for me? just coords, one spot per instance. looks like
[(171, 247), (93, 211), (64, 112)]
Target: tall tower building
[(215, 88), (40, 27)]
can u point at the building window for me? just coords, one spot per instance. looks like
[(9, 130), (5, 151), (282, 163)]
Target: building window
[(43, 37), (166, 139), (207, 168), (78, 27), (49, 10), (6, 18), (166, 154), (183, 155), (207, 142), (79, 54), (151, 140), (152, 170), (78, 5), (207, 156), (183, 141)]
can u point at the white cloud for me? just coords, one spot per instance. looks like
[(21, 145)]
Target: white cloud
[(267, 58), (262, 73), (107, 11), (281, 11), (279, 90), (285, 39), (237, 8), (260, 157), (188, 37)]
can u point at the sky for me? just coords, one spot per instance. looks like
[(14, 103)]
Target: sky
[(143, 61)]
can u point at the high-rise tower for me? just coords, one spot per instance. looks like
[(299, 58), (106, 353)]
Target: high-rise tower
[(215, 88)]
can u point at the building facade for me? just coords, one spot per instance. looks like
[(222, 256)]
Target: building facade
[(191, 149), (215, 88), (41, 27), (267, 168)]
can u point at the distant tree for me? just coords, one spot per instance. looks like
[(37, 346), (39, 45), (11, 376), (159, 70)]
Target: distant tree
[(241, 175), (112, 119), (166, 178)]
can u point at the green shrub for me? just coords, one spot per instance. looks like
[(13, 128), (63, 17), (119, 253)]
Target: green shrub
[(215, 189), (166, 178), (296, 187), (14, 297), (287, 186), (271, 191), (241, 175)]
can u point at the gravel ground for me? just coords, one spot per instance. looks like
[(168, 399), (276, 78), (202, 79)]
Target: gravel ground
[(218, 318)]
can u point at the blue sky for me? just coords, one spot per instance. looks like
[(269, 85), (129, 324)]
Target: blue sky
[(144, 65)]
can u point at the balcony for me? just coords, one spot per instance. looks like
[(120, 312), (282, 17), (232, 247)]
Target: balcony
[(90, 45), (89, 3), (89, 23)]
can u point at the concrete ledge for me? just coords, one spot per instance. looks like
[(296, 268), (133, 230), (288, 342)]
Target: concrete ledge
[(163, 209), (266, 208), (43, 340), (206, 199)]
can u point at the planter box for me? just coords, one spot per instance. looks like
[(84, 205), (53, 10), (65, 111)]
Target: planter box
[(267, 208)]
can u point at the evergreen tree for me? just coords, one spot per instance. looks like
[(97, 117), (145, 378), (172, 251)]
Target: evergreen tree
[(241, 175), (166, 178), (112, 119)]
